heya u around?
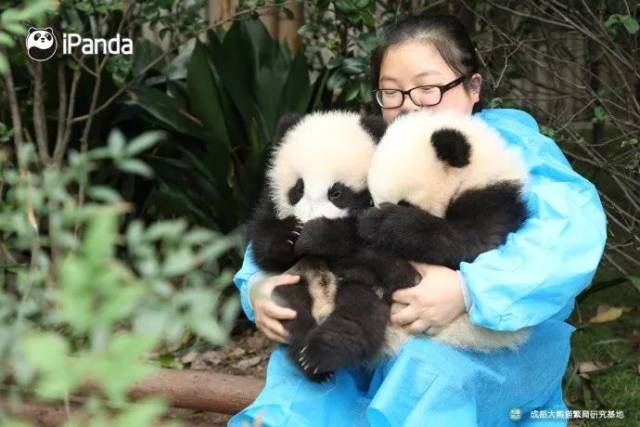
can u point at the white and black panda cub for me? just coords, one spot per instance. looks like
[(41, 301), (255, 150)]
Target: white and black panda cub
[(305, 223), (446, 188)]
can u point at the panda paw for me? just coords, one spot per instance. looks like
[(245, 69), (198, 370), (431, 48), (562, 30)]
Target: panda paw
[(285, 238), (314, 359), (314, 238)]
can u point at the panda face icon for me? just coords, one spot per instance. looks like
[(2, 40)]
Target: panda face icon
[(41, 43)]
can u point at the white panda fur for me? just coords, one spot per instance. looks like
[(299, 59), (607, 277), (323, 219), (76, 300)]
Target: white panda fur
[(322, 147), (405, 166)]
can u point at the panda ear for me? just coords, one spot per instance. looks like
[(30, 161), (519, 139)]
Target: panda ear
[(49, 30), (451, 147), (31, 30), (286, 122), (375, 125)]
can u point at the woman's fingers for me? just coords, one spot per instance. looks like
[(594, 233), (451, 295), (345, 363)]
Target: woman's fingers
[(405, 295), (405, 316), (417, 327), (273, 336), (274, 330), (287, 279), (268, 313), (276, 311)]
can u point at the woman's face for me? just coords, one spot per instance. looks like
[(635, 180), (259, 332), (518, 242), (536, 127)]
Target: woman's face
[(415, 63)]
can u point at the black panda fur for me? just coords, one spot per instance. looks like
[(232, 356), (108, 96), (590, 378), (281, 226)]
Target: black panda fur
[(342, 308), (446, 188)]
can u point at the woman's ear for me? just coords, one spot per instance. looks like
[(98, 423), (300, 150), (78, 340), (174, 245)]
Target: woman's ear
[(475, 85)]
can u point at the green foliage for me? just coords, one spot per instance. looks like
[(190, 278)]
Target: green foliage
[(85, 296), (339, 37), (629, 23), (221, 113), (599, 114)]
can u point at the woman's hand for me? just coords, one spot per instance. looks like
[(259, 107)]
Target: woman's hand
[(431, 304), (268, 313)]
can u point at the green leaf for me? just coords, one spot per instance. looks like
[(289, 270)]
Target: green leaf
[(143, 142), (135, 166), (599, 114), (104, 194), (6, 39), (178, 263), (352, 92), (296, 92), (205, 102), (165, 229), (4, 65), (116, 142), (635, 281), (354, 66), (101, 236), (237, 70), (631, 24), (142, 413), (166, 110), (47, 351)]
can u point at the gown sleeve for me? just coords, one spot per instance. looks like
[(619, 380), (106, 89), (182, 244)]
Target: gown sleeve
[(244, 278), (537, 273)]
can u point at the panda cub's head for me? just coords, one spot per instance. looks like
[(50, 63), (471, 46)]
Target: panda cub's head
[(428, 159), (320, 163), (41, 43)]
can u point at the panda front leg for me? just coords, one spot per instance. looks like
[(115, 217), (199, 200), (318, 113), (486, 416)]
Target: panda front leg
[(330, 239), (297, 298), (353, 333), (272, 238)]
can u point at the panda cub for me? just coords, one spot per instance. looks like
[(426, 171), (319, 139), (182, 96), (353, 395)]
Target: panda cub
[(305, 224), (446, 188)]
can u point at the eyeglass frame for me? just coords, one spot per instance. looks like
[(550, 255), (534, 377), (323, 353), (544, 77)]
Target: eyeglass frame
[(443, 89)]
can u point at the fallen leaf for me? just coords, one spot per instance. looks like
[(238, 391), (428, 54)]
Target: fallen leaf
[(592, 366), (206, 360), (607, 313), (237, 352), (189, 357), (247, 363)]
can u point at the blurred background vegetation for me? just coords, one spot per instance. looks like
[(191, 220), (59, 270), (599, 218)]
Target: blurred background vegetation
[(125, 180)]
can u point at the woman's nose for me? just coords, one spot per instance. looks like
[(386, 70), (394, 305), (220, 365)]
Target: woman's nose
[(408, 105)]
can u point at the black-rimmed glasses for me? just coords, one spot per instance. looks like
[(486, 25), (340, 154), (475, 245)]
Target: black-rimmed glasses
[(422, 96)]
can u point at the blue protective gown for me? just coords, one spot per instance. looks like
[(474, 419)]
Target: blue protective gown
[(530, 280)]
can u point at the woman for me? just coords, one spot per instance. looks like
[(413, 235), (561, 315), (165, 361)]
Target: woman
[(529, 281)]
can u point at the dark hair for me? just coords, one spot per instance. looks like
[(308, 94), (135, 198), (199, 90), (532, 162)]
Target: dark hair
[(445, 32)]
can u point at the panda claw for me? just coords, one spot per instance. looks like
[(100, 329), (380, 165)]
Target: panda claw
[(289, 241)]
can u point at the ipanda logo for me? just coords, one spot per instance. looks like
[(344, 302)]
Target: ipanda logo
[(42, 44)]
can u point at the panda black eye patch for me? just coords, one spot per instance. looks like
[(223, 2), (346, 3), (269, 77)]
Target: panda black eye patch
[(344, 197), (336, 192), (296, 192)]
